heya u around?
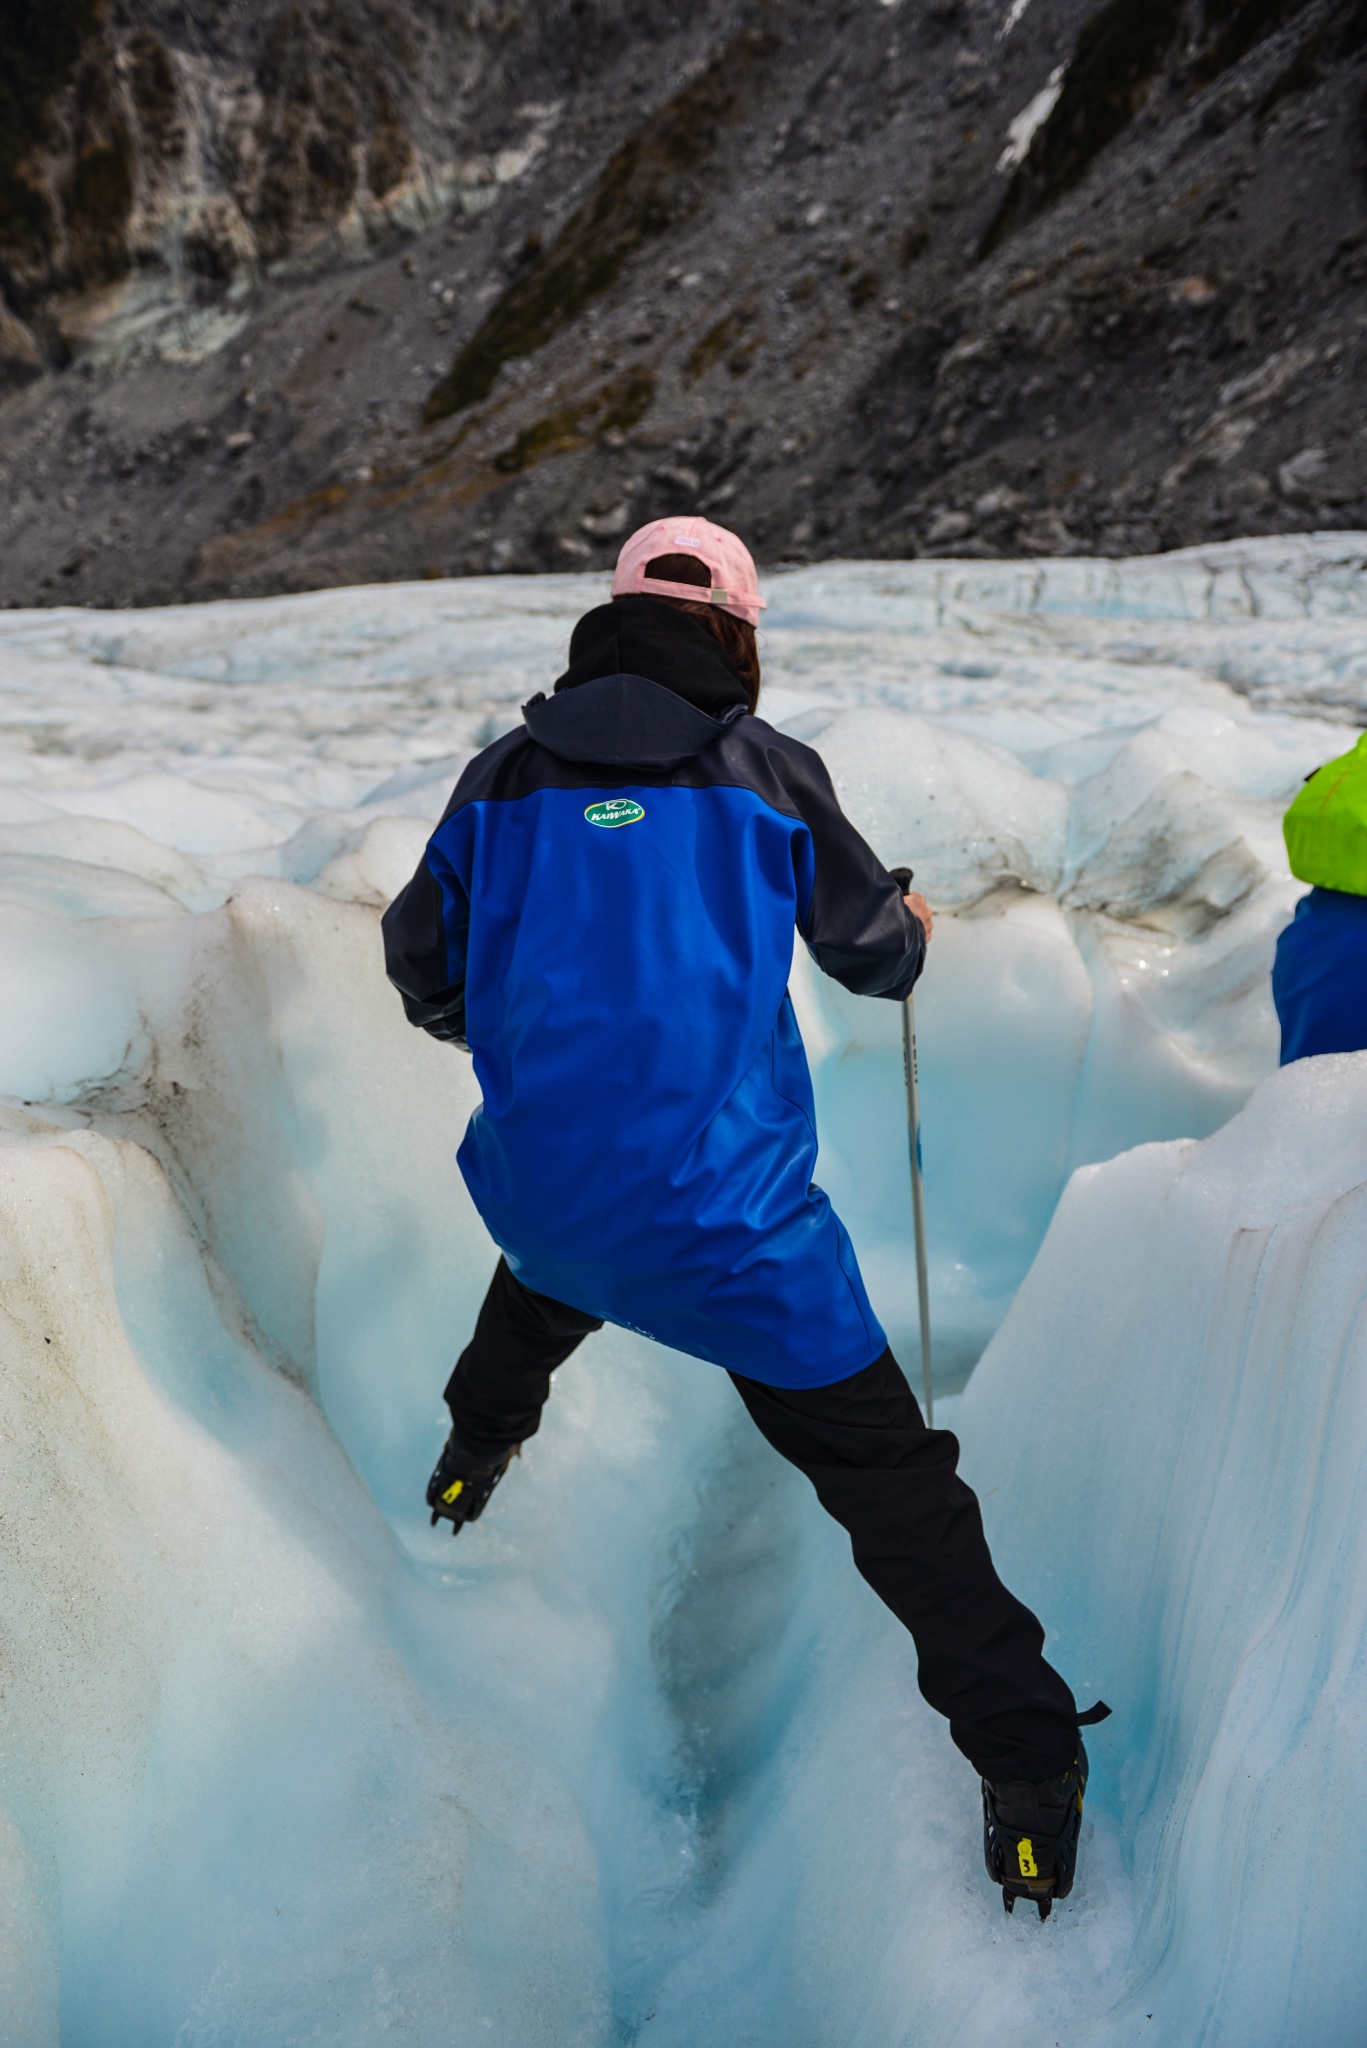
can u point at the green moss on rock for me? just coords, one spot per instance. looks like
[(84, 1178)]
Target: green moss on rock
[(621, 404), (726, 339), (655, 181)]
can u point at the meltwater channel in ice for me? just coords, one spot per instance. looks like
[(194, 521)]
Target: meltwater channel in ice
[(641, 1758)]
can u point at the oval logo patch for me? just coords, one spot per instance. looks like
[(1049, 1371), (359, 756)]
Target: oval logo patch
[(615, 810)]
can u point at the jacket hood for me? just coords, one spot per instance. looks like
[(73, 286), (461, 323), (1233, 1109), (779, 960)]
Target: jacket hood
[(644, 636), (647, 687), (623, 721)]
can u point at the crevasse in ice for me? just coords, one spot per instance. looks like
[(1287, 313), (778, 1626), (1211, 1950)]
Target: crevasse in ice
[(640, 1757)]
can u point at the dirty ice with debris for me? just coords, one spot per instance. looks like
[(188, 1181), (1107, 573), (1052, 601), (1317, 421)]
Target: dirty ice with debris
[(641, 1758)]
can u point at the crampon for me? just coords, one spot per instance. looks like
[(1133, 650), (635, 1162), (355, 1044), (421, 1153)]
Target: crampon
[(1030, 1836), (458, 1491)]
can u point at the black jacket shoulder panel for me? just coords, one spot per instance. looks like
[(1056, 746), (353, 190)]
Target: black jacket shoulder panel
[(415, 957), (856, 925), (483, 770), (623, 721)]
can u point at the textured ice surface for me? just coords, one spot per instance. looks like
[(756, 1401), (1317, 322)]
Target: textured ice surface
[(640, 1757)]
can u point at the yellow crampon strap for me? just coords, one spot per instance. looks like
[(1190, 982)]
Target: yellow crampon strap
[(452, 1491)]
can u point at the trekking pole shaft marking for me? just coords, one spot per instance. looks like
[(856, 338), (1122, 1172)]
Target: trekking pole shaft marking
[(918, 1199)]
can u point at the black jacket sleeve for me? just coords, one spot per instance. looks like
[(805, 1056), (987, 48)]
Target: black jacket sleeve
[(416, 958), (857, 928)]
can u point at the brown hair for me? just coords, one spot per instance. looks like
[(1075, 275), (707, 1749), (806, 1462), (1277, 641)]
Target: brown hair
[(736, 637)]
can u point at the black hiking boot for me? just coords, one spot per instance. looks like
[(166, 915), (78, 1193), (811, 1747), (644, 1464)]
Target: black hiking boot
[(458, 1491), (1030, 1836)]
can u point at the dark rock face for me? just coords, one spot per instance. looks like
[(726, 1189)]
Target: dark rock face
[(347, 290), (1119, 53)]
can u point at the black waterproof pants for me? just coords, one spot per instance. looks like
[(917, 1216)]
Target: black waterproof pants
[(914, 1525)]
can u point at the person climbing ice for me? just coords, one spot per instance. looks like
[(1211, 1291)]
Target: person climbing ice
[(1319, 978), (604, 918)]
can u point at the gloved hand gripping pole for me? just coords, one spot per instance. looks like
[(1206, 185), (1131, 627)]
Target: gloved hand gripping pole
[(903, 878)]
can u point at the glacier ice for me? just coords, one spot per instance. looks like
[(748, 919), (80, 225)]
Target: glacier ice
[(641, 1757)]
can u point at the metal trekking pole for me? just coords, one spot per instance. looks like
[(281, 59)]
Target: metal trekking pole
[(903, 877)]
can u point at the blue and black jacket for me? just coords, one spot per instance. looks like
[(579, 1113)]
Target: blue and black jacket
[(605, 917)]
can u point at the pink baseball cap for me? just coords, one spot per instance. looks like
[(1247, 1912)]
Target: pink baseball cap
[(735, 580)]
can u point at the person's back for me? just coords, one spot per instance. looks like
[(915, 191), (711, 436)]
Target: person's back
[(624, 875), (604, 918), (1319, 978)]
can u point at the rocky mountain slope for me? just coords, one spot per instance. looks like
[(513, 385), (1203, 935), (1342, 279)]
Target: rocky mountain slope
[(345, 290)]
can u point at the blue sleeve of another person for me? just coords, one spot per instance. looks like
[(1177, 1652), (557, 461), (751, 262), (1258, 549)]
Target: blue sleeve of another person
[(1319, 978)]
